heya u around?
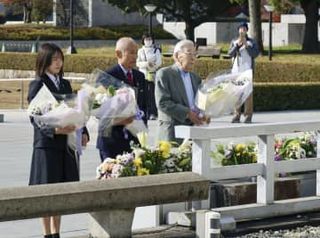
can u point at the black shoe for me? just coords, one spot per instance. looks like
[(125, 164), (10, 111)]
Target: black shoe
[(248, 119), (47, 236), (236, 119), (57, 235)]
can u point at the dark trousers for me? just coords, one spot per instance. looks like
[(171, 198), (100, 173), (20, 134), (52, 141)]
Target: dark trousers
[(151, 102), (248, 107)]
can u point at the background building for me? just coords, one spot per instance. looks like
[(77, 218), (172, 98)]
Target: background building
[(95, 13)]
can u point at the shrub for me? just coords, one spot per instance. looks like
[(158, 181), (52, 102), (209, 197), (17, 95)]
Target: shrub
[(266, 72), (32, 31), (286, 96), (298, 90)]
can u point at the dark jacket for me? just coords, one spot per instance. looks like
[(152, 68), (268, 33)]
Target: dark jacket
[(44, 137), (119, 141), (252, 50)]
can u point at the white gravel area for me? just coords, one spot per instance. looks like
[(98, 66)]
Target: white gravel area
[(299, 232)]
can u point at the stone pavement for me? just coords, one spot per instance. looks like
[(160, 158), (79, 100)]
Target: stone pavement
[(15, 157)]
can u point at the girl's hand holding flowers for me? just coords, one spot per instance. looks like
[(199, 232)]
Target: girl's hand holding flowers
[(123, 121), (65, 130)]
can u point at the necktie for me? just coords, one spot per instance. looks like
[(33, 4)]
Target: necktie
[(57, 82), (130, 78)]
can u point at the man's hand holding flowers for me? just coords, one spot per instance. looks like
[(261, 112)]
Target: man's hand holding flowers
[(84, 140), (195, 118)]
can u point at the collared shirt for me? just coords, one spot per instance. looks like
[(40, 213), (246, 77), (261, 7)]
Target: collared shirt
[(125, 71), (54, 79), (186, 78)]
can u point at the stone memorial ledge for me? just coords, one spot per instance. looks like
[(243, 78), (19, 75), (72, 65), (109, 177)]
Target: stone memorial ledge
[(111, 203), (164, 231)]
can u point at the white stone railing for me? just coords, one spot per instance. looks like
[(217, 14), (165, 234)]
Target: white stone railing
[(265, 168)]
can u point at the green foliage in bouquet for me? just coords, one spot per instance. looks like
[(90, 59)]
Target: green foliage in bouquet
[(167, 157), (301, 147), (148, 160), (234, 154), (103, 94)]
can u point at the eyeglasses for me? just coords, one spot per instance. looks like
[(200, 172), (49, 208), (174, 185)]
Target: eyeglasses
[(190, 54)]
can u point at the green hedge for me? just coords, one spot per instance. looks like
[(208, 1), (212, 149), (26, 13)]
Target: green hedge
[(265, 71), (299, 88), (286, 96), (45, 32)]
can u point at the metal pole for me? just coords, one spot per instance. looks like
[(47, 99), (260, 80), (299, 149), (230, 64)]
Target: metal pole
[(270, 35), (21, 95), (72, 49), (71, 23), (150, 23)]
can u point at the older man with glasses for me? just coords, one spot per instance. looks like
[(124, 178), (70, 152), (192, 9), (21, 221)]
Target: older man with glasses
[(175, 91)]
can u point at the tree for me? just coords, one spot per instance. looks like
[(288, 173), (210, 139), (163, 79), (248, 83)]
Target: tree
[(63, 12), (255, 20), (310, 7), (41, 10), (37, 10), (192, 12), (310, 40), (26, 7)]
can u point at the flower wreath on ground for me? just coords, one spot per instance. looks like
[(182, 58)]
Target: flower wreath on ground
[(165, 157)]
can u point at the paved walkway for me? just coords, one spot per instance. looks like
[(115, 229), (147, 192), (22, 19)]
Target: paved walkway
[(16, 148)]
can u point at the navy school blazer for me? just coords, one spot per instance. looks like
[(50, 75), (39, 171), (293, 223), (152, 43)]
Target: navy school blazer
[(44, 137)]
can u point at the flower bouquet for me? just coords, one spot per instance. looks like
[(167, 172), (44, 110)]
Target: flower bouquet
[(113, 101), (234, 154), (220, 95), (164, 158), (59, 110), (301, 147)]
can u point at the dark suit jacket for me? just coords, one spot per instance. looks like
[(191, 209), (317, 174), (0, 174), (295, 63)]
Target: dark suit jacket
[(44, 137), (117, 143)]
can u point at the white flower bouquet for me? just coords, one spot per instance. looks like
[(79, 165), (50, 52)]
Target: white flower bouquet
[(113, 102), (220, 95), (60, 110), (51, 110)]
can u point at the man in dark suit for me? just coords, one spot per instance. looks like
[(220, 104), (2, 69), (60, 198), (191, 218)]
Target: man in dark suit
[(120, 138)]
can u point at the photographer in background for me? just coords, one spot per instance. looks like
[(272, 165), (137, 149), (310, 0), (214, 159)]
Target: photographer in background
[(148, 61), (243, 51)]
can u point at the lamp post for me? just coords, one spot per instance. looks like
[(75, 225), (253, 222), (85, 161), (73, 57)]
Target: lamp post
[(270, 9), (150, 8), (71, 49)]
